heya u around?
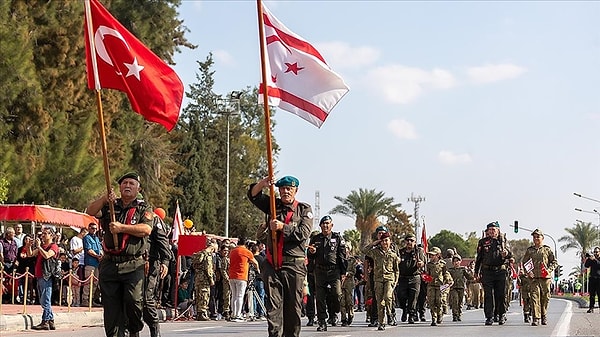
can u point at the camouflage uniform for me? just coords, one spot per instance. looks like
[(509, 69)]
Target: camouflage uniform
[(523, 282), (385, 277), (542, 258), (226, 288), (472, 290), (347, 300), (203, 280), (440, 276), (459, 276)]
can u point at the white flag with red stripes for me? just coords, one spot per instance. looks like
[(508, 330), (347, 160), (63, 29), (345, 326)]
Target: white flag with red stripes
[(298, 78), (177, 225)]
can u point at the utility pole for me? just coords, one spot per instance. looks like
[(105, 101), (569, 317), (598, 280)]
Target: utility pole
[(317, 216), (417, 200)]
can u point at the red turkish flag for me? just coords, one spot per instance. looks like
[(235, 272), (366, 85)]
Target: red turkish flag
[(298, 78), (424, 238), (116, 59)]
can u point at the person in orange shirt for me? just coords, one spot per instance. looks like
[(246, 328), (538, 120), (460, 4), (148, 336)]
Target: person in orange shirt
[(239, 261)]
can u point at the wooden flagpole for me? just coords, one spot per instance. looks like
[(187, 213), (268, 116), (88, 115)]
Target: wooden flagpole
[(90, 29), (261, 35)]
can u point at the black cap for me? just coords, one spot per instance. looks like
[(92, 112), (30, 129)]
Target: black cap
[(325, 218), (131, 175)]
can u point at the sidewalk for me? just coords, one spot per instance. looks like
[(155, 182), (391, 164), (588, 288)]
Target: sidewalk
[(13, 318)]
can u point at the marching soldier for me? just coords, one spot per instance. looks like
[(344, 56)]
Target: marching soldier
[(347, 303), (491, 270), (523, 282), (412, 261), (460, 276), (539, 262), (385, 275), (202, 262), (329, 251), (472, 288), (439, 279), (446, 300)]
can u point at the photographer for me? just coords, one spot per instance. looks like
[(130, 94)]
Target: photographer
[(593, 262)]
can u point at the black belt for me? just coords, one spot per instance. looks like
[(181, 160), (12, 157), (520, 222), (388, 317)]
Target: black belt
[(288, 259), (121, 258), (495, 268), (326, 267)]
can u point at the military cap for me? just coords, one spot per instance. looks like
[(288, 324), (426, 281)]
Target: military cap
[(493, 224), (449, 251), (384, 235), (132, 175), (537, 231), (325, 218), (381, 228), (288, 181), (410, 236), (457, 257), (434, 251)]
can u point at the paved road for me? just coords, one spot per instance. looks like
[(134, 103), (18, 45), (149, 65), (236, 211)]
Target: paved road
[(561, 314)]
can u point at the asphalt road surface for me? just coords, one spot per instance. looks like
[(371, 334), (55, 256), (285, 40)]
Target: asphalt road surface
[(561, 322)]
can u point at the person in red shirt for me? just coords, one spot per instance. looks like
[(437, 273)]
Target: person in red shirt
[(45, 269), (239, 261)]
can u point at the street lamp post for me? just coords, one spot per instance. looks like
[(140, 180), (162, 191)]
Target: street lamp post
[(232, 108), (595, 211)]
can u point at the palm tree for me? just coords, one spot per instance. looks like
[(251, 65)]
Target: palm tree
[(581, 237), (365, 206)]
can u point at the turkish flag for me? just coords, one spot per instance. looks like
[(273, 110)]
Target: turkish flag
[(298, 78), (177, 225), (126, 64), (424, 238)]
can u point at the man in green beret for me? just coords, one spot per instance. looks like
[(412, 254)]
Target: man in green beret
[(284, 270), (122, 266), (412, 262)]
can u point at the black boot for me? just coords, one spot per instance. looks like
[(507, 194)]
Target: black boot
[(154, 330), (51, 325), (42, 326), (311, 321), (322, 326)]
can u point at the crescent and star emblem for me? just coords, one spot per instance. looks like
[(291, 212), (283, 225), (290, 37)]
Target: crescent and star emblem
[(133, 69)]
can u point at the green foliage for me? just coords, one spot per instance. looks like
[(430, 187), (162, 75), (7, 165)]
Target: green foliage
[(3, 189), (581, 237), (446, 239), (352, 236), (365, 206), (518, 248)]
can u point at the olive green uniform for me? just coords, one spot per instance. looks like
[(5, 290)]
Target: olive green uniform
[(203, 280), (440, 276), (459, 275), (542, 258), (347, 302), (284, 285), (121, 269), (225, 287), (385, 277), (523, 282)]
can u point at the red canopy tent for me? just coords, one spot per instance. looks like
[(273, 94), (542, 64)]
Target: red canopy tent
[(45, 214)]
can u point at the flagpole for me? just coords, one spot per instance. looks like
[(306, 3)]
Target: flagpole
[(111, 206), (261, 34)]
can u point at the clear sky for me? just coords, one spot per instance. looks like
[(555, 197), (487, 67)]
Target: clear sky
[(488, 110)]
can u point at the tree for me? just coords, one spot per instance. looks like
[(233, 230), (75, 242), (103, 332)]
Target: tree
[(581, 237), (352, 236), (365, 206), (446, 239), (3, 189), (518, 248)]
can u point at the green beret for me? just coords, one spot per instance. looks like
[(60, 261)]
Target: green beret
[(131, 175), (381, 228), (493, 224), (288, 181), (325, 218), (537, 231)]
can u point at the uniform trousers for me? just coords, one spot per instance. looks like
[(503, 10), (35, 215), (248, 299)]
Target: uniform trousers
[(284, 289), (494, 284), (329, 293), (539, 292)]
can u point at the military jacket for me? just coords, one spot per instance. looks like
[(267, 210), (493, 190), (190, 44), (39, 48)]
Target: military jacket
[(134, 246), (542, 256), (160, 249), (439, 273), (330, 251), (489, 253), (385, 266), (295, 233), (223, 267), (409, 259), (459, 276), (202, 262)]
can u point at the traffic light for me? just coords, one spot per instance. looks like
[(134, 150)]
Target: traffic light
[(557, 272), (516, 227)]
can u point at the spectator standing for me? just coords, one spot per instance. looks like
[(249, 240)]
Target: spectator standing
[(222, 282), (75, 282), (8, 250), (284, 275), (19, 235), (592, 261), (92, 255), (239, 258), (46, 268), (26, 263)]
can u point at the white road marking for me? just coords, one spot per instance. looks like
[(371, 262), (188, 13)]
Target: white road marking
[(565, 320)]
